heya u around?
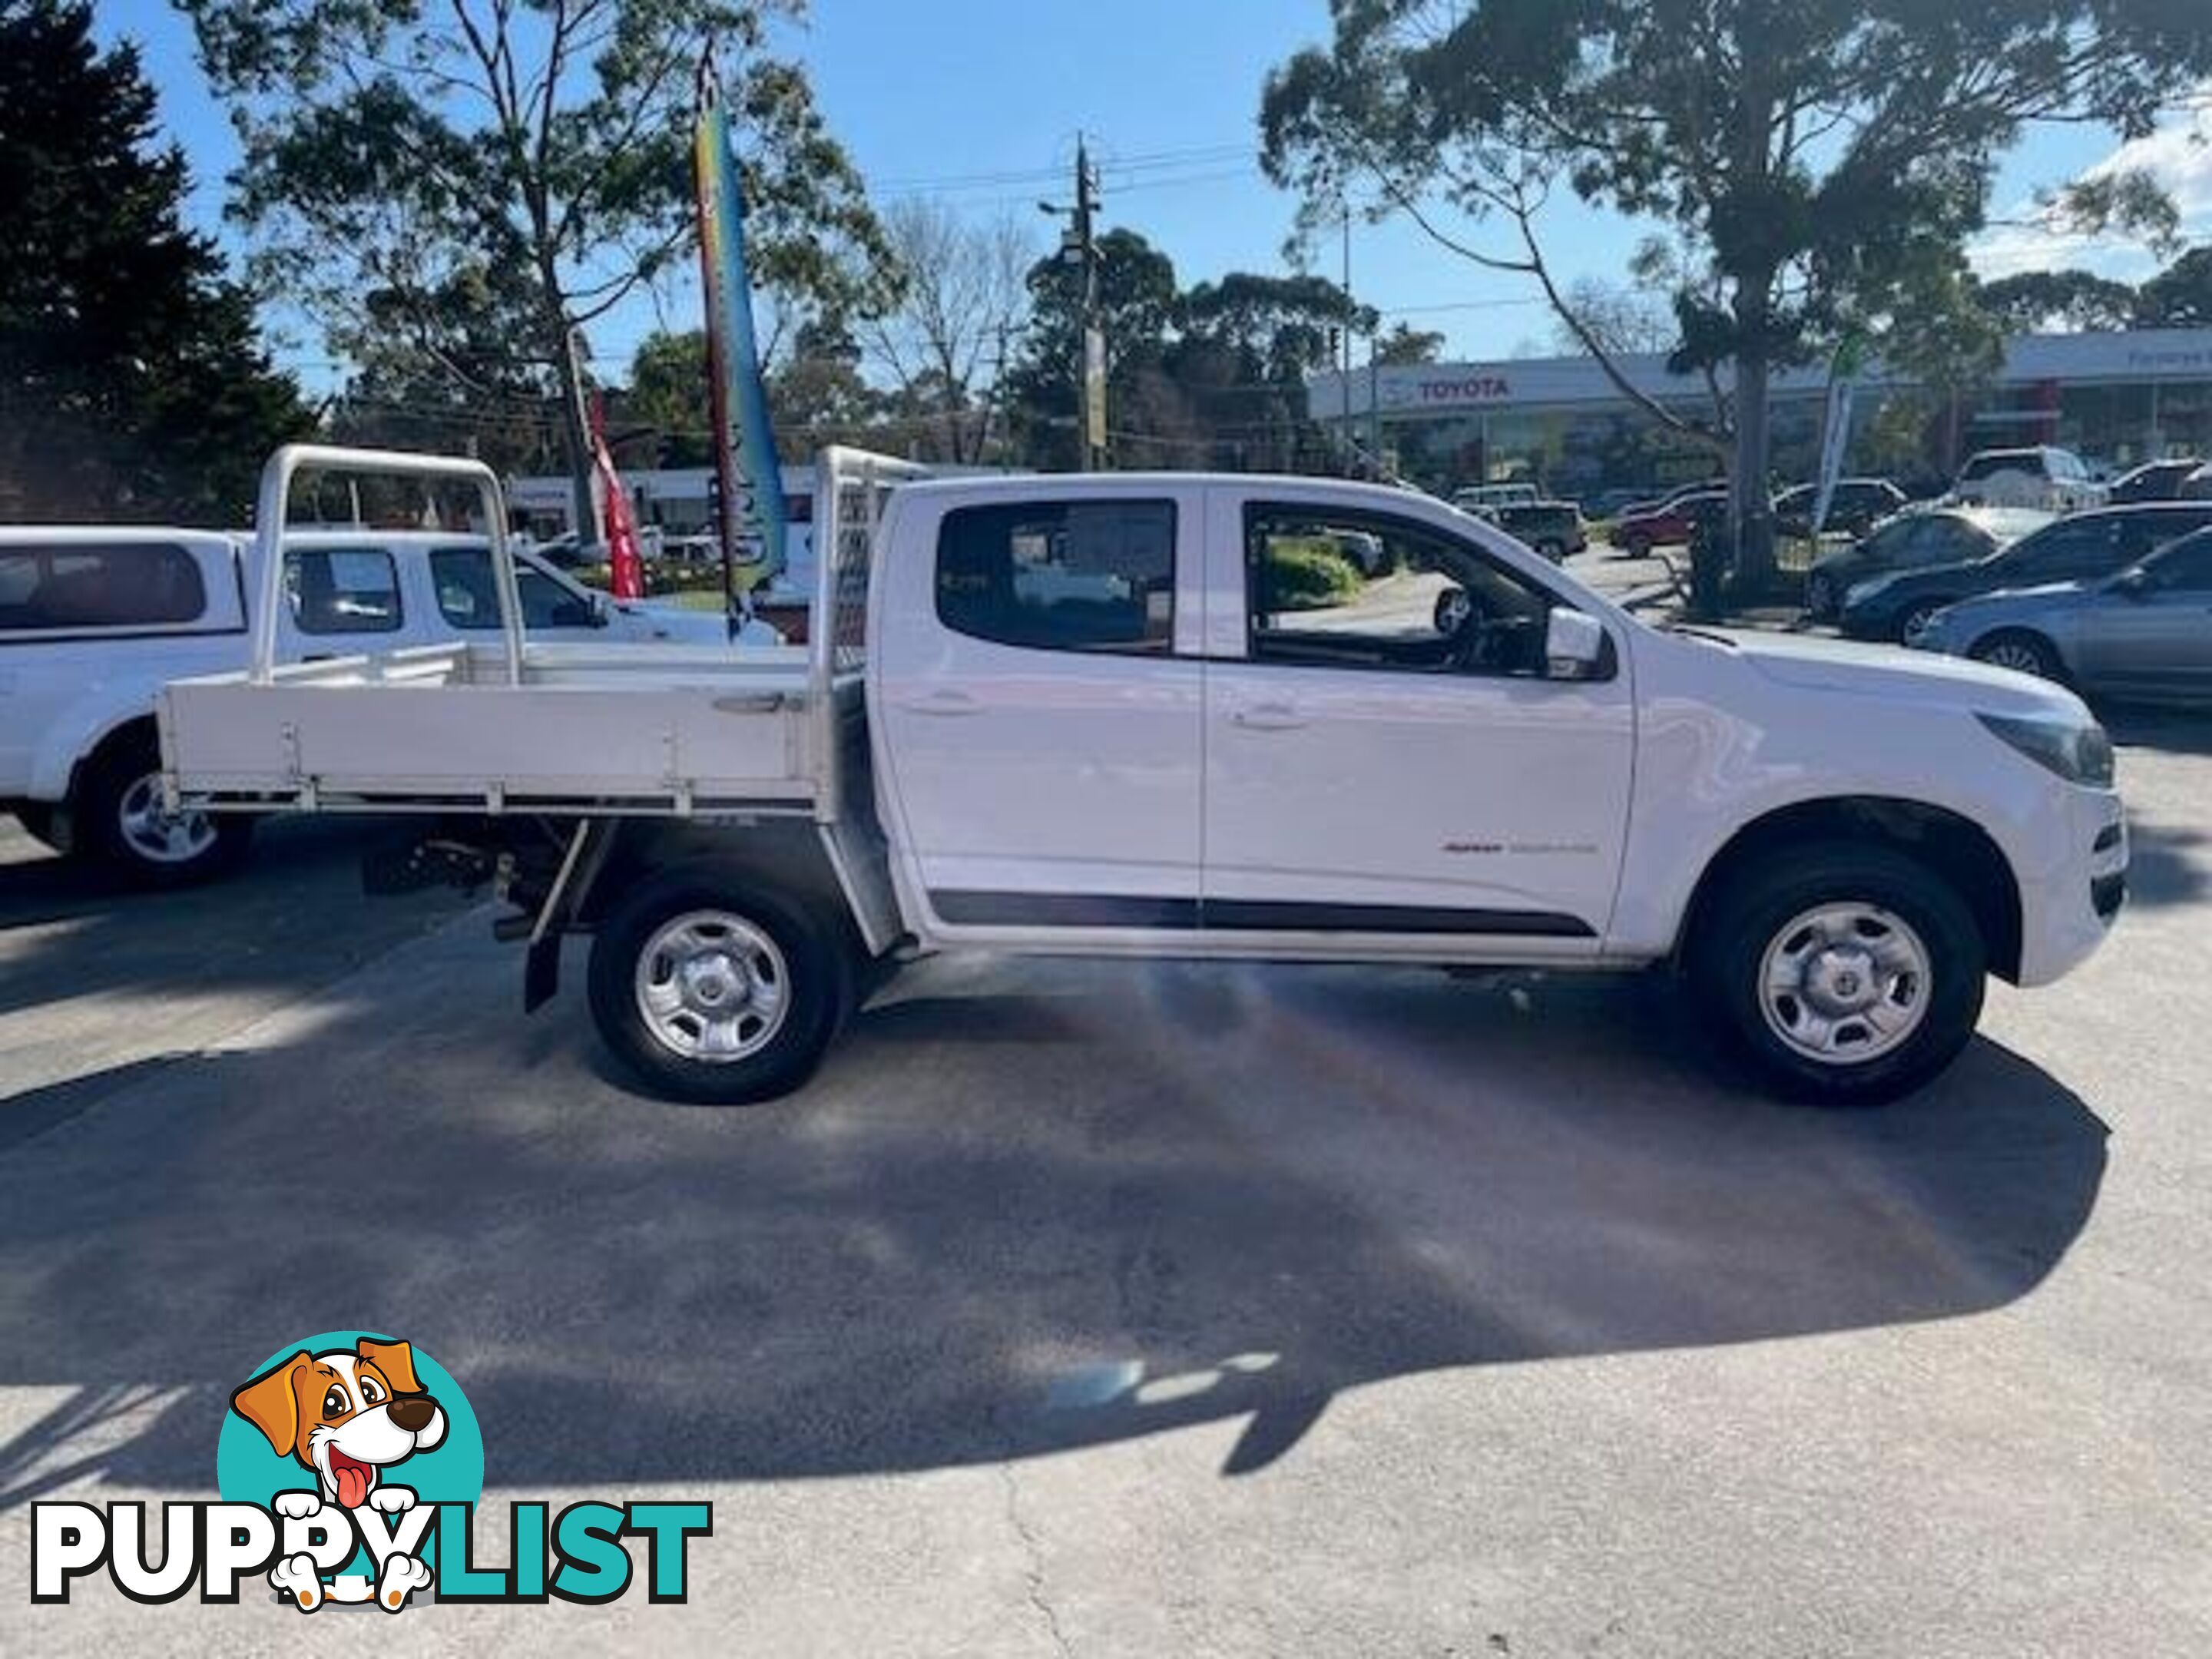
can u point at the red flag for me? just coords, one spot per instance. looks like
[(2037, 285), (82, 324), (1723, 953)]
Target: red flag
[(625, 564)]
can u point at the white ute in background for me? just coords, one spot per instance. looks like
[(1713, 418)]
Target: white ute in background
[(1166, 715), (95, 619)]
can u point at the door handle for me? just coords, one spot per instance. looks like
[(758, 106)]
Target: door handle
[(1268, 717), (942, 702)]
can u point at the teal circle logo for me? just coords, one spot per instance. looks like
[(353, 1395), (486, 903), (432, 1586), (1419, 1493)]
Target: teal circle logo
[(367, 1422)]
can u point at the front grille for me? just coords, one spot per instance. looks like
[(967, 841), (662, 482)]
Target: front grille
[(2107, 838), (2108, 893)]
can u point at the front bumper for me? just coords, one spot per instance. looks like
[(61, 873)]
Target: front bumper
[(2068, 906)]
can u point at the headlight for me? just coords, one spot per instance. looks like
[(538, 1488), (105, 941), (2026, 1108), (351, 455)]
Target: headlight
[(2079, 752), (1860, 592)]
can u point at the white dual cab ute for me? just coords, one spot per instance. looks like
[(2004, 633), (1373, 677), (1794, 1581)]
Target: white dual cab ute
[(1159, 716), (95, 619)]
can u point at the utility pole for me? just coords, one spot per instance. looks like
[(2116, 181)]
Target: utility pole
[(1078, 248), (1344, 368)]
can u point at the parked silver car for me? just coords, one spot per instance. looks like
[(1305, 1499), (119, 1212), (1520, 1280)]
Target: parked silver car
[(2145, 634)]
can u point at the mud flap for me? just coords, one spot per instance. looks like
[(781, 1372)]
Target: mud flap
[(579, 868)]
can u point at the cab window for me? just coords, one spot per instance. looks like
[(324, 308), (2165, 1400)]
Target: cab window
[(469, 599), (1061, 575), (1330, 591), (342, 590)]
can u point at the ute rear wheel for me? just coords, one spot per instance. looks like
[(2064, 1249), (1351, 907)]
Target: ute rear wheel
[(713, 990), (1842, 973)]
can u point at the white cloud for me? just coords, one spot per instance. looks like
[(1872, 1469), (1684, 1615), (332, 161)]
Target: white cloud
[(2178, 154)]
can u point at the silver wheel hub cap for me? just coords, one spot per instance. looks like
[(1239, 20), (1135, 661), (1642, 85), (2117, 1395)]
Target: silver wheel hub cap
[(711, 986), (157, 835), (1844, 983), (2015, 657)]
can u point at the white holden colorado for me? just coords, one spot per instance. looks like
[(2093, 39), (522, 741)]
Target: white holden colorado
[(1166, 715)]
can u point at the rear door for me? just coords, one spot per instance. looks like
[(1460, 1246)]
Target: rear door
[(1035, 697), (1386, 761)]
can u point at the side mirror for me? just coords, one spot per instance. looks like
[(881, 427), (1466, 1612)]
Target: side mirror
[(2132, 584), (1574, 644)]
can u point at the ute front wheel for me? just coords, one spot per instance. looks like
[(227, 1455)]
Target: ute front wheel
[(713, 992), (1843, 974)]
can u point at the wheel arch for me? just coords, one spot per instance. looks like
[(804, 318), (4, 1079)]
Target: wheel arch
[(1952, 845), (2027, 631), (74, 746), (121, 731)]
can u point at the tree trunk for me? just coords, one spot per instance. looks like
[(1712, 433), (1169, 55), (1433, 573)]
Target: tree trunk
[(1751, 506)]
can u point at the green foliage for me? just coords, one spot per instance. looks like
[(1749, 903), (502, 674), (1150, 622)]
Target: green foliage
[(457, 188), (1819, 162), (1308, 574), (2179, 297), (1213, 376), (2037, 300), (1405, 345), (132, 384)]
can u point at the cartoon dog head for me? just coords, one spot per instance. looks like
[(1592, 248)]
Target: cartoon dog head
[(345, 1413)]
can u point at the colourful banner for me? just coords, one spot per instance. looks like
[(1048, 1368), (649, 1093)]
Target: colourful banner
[(625, 563), (746, 460)]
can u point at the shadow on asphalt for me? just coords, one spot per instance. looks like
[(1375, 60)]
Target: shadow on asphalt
[(1025, 1208), (2166, 864), (2174, 731), (293, 914)]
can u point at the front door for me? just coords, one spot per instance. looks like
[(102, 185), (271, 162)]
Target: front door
[(2154, 636), (1036, 700), (1386, 755)]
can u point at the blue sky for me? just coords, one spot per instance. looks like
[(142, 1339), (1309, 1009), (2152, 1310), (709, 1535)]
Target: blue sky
[(928, 96)]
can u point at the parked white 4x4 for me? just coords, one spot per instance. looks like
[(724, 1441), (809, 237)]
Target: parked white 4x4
[(1135, 715), (93, 621)]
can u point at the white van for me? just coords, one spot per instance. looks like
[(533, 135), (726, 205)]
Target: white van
[(2044, 476)]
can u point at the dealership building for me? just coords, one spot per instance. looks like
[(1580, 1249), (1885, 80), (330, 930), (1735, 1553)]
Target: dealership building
[(2117, 398)]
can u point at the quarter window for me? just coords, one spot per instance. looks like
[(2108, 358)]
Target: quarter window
[(342, 590), (1061, 575), (122, 585)]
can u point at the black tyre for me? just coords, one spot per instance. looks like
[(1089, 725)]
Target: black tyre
[(1554, 550), (1841, 973), (2025, 652), (1821, 596), (713, 990), (1915, 616), (1636, 545), (118, 822), (40, 822)]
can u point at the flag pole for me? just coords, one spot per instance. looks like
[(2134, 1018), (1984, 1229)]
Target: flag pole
[(726, 458)]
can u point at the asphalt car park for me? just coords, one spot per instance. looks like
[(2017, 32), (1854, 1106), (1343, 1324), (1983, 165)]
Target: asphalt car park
[(1089, 1308)]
